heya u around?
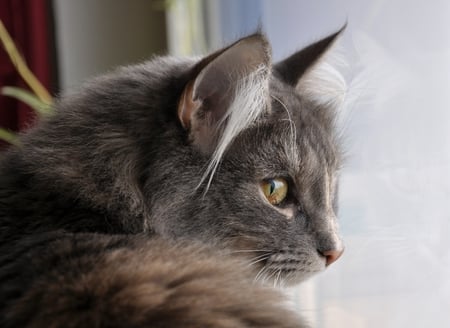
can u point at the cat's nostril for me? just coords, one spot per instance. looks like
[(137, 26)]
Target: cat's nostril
[(332, 255)]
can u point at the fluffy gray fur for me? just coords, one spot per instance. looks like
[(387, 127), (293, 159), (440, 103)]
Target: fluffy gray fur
[(111, 180)]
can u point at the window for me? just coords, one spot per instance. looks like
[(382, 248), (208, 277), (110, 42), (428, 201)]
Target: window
[(395, 188)]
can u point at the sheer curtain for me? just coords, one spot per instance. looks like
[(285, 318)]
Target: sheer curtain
[(395, 188)]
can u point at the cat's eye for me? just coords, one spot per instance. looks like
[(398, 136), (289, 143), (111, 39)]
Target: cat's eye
[(275, 190)]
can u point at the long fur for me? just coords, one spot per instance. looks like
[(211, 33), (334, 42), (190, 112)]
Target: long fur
[(102, 223), (324, 83), (249, 103)]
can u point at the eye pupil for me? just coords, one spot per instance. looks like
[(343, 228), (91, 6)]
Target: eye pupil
[(275, 190), (272, 187)]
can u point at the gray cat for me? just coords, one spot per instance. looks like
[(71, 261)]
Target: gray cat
[(172, 193)]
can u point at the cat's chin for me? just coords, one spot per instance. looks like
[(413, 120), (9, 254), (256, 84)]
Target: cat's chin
[(285, 279), (284, 274), (299, 278)]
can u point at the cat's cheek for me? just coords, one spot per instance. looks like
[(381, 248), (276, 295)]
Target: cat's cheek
[(288, 212)]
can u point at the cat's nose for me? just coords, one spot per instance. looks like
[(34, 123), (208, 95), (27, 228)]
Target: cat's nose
[(332, 255)]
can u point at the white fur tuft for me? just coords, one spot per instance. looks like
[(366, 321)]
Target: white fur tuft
[(250, 101), (323, 83)]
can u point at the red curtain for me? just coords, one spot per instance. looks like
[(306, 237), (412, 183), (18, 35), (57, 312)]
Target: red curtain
[(28, 22)]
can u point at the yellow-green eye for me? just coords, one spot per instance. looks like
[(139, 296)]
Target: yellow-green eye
[(275, 190)]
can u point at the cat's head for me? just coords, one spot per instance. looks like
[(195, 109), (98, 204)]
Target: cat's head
[(261, 173)]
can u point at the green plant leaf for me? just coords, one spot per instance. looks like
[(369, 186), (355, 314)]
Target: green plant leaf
[(28, 98), (21, 66), (9, 137)]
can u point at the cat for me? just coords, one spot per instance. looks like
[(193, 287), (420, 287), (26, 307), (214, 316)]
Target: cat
[(172, 193)]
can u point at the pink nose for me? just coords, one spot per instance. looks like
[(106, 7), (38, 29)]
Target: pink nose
[(332, 255)]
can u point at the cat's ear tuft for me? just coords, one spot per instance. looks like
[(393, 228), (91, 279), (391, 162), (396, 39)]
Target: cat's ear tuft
[(227, 92), (313, 73)]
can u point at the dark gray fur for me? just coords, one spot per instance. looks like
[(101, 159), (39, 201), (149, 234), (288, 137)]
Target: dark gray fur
[(114, 172)]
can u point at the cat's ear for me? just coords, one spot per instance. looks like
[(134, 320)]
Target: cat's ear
[(227, 92), (311, 73)]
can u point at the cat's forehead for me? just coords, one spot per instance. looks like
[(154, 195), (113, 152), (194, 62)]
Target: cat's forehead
[(304, 125), (290, 140)]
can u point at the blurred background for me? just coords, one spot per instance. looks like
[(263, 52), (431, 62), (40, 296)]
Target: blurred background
[(395, 189)]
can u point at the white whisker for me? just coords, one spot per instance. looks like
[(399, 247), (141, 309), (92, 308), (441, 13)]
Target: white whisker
[(268, 277), (258, 259), (250, 251), (259, 274), (277, 279)]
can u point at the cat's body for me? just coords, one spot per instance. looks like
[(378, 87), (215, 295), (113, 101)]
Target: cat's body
[(108, 219)]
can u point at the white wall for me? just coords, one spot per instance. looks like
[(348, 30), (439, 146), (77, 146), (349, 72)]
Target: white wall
[(93, 36)]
